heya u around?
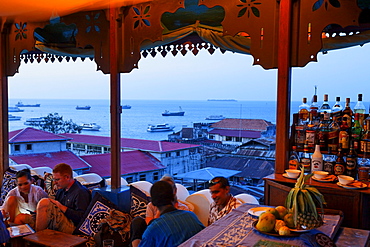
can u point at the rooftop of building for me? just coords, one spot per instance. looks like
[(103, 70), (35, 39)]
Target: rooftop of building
[(242, 124)]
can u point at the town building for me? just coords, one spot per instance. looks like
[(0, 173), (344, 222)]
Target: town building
[(135, 166), (236, 131), (39, 148), (175, 157)]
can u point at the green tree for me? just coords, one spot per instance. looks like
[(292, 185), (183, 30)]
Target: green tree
[(55, 124)]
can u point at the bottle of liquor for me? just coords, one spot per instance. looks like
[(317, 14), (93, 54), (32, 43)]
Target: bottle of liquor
[(347, 112), (344, 135), (360, 109), (329, 162), (311, 134), (351, 163), (364, 123), (323, 131), (337, 107), (300, 131), (306, 159), (314, 110), (340, 165), (356, 134), (325, 105), (365, 139), (304, 110), (333, 135), (316, 160), (294, 159)]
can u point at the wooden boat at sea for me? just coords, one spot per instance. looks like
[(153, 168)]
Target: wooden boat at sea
[(215, 117), (177, 113), (90, 126), (86, 107), (14, 109), (13, 118), (20, 104), (160, 127), (126, 107)]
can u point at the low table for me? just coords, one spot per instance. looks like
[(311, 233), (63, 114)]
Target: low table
[(53, 238)]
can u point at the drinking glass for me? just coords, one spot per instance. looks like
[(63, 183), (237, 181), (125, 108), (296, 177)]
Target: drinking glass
[(108, 243)]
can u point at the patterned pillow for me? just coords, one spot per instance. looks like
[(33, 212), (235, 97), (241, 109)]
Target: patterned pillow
[(139, 201), (50, 187), (102, 211), (9, 182)]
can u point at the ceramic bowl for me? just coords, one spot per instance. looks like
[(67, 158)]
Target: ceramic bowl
[(345, 179), (320, 174), (293, 173)]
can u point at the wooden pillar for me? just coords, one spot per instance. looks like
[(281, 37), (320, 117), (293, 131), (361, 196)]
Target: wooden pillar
[(283, 86), (4, 137), (115, 101)]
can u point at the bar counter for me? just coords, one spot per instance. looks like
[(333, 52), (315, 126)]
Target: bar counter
[(354, 203)]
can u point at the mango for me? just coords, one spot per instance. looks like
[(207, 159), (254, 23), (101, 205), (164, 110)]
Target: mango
[(289, 221), (278, 225), (282, 211), (266, 222), (284, 230), (273, 211)]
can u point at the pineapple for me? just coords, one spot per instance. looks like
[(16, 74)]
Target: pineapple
[(301, 202)]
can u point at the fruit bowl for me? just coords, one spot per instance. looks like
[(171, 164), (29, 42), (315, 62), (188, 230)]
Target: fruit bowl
[(275, 234), (345, 179)]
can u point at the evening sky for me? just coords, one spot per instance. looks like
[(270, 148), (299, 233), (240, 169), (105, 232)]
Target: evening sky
[(342, 73)]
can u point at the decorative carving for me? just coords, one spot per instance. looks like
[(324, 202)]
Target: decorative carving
[(257, 18)]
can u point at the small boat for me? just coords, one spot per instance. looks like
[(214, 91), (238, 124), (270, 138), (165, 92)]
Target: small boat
[(20, 104), (90, 126), (13, 118), (86, 107), (126, 107), (177, 113), (215, 117), (160, 128), (14, 109), (35, 121)]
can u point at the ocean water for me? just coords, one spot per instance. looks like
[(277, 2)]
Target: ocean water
[(143, 112)]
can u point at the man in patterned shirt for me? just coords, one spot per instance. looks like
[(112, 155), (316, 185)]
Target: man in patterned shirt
[(223, 202)]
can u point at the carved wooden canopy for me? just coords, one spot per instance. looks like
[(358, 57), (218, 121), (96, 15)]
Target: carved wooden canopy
[(177, 27)]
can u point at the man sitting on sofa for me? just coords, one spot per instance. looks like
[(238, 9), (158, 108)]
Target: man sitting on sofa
[(71, 201)]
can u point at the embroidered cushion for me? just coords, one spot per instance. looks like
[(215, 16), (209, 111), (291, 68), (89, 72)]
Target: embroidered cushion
[(50, 187), (139, 202), (9, 182), (102, 211)]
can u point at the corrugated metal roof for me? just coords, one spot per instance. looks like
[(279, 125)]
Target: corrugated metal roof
[(139, 144), (131, 162), (207, 173), (34, 135), (251, 168), (244, 124), (256, 153), (236, 133), (51, 159)]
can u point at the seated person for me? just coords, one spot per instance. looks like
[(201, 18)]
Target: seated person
[(152, 212), (223, 202), (71, 201), (21, 202), (172, 228)]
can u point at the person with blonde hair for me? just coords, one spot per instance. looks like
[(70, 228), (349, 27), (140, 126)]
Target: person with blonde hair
[(71, 201)]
